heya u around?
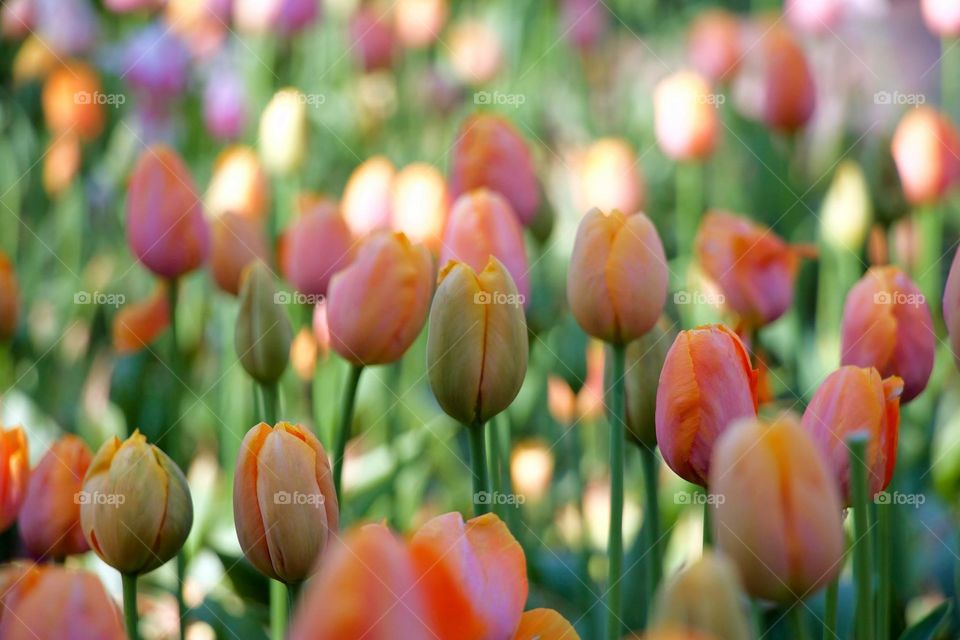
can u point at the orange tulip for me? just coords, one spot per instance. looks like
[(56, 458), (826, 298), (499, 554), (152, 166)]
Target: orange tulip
[(284, 504), (419, 202), (951, 307), (14, 473), (48, 601), (942, 17), (235, 242), (887, 326), (377, 305), (489, 152), (849, 400), (685, 116), (482, 224), (706, 383), (714, 44), (477, 562), (476, 52), (777, 509), (165, 225), (238, 185), (609, 177), (72, 101), (531, 468), (315, 246), (926, 147), (49, 519), (544, 624), (753, 267), (303, 354), (61, 164), (789, 91), (419, 22), (9, 298), (617, 279), (138, 324), (366, 202)]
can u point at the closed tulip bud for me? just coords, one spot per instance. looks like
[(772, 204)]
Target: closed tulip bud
[(236, 241), (374, 43), (9, 299), (419, 22), (490, 153), (482, 224), (779, 516), (609, 177), (846, 212), (714, 44), (477, 341), (284, 503), (789, 92), (239, 184), (925, 148), (706, 383), (942, 17), (366, 202), (751, 265), (476, 52), (419, 202), (315, 246), (850, 400), (378, 304), (166, 229), (284, 132), (617, 279), (951, 307), (14, 473), (644, 361), (135, 507), (887, 326), (704, 596), (49, 601), (685, 118), (263, 333), (138, 324), (49, 519), (544, 624), (71, 101)]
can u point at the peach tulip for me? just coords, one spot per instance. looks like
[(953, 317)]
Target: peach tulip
[(706, 383), (377, 305), (9, 298), (138, 324), (72, 101), (49, 519), (14, 473), (942, 17), (419, 22), (476, 52), (303, 354), (284, 504), (777, 513), (926, 147), (489, 152), (849, 400), (617, 279), (887, 326), (609, 177), (814, 16), (283, 132), (238, 185), (951, 307), (263, 333), (531, 468), (366, 202), (61, 163), (49, 601), (751, 265), (419, 203), (315, 246), (477, 341), (482, 224), (789, 90), (165, 225), (544, 624), (236, 241), (685, 116), (135, 506), (714, 44)]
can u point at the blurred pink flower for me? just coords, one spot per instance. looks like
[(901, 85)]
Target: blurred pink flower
[(225, 105), (583, 22), (372, 39), (69, 27), (155, 61)]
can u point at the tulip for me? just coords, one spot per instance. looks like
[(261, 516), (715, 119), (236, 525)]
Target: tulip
[(419, 22), (419, 202), (704, 596), (850, 400), (846, 211), (315, 246), (489, 152), (34, 61), (583, 22), (942, 17), (165, 225), (61, 163), (236, 241), (685, 117), (239, 184), (224, 105), (609, 177), (378, 304), (951, 305), (284, 504), (925, 148), (16, 19), (303, 354), (297, 15), (814, 16), (714, 44), (887, 326), (284, 132), (544, 624), (779, 516), (617, 279), (9, 299), (14, 473), (263, 333), (706, 384), (71, 105), (482, 224), (644, 361), (135, 507), (476, 52), (138, 324), (366, 198), (753, 267), (49, 519), (531, 469), (789, 91), (321, 328), (68, 27), (202, 25), (373, 39), (48, 601), (156, 61)]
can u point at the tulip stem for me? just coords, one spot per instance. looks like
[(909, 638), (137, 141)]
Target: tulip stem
[(615, 541), (268, 398), (862, 552), (651, 514), (885, 589), (830, 617), (343, 433), (130, 616), (478, 463), (799, 622), (279, 609), (689, 205), (929, 222)]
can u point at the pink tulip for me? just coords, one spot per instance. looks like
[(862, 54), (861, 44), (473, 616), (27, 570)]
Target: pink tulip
[(685, 116), (926, 149), (942, 17), (366, 199), (714, 44), (315, 246), (373, 40), (951, 307), (156, 62), (583, 22), (814, 16), (225, 105)]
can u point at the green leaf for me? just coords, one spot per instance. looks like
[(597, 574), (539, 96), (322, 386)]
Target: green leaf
[(930, 626)]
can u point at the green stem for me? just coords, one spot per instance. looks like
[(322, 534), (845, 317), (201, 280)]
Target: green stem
[(502, 438), (862, 552), (343, 433), (170, 440), (130, 616), (269, 403), (615, 541), (689, 180), (393, 427), (707, 527), (929, 221), (950, 77), (279, 609), (799, 622), (651, 527), (830, 617), (478, 463), (493, 468), (884, 540)]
